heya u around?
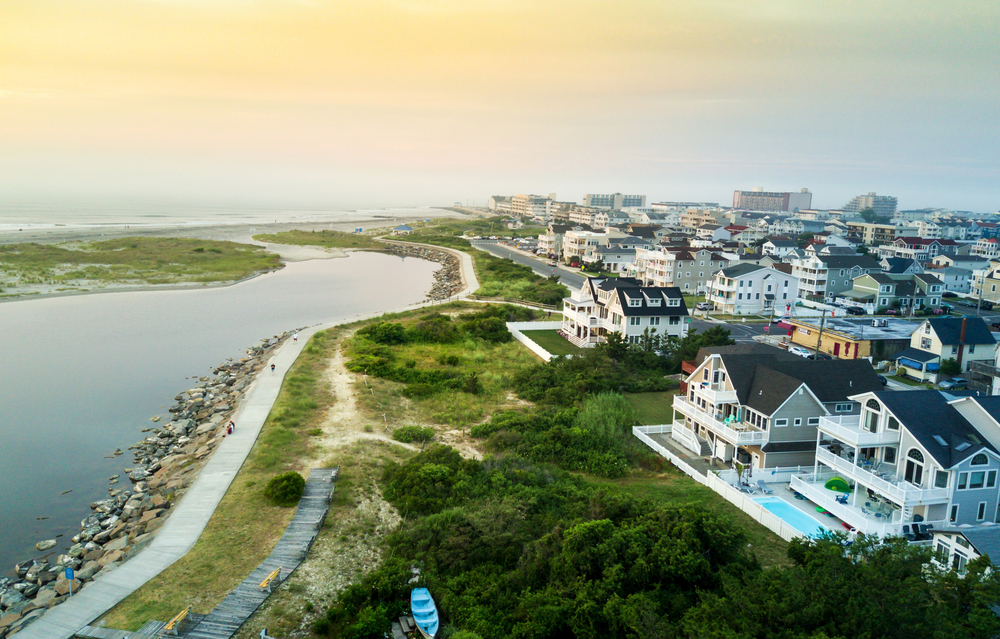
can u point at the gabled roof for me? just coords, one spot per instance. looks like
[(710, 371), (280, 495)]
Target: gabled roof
[(985, 539), (764, 381), (897, 264), (849, 261), (403, 227), (781, 243), (949, 330), (646, 293), (741, 269), (927, 414)]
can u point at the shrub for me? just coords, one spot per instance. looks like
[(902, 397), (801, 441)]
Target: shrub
[(409, 434), (285, 489), (385, 333)]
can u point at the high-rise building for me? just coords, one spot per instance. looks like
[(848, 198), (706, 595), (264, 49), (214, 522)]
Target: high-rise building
[(760, 200), (883, 205), (613, 200)]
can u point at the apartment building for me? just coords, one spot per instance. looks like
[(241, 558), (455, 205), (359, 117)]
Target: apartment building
[(550, 243), (585, 216), (826, 276), (614, 200), (608, 217), (758, 199), (579, 244), (918, 248), (871, 234), (988, 248), (747, 289), (763, 407), (693, 218), (883, 290), (622, 305), (883, 205), (688, 270), (916, 460), (534, 206)]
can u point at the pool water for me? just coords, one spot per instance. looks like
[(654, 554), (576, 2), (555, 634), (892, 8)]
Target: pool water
[(800, 521)]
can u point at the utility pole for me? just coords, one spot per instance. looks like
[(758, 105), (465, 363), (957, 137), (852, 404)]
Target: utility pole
[(982, 285), (819, 338)]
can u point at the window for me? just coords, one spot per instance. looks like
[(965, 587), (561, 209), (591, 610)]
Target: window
[(889, 455), (634, 321), (843, 408), (980, 460), (972, 349), (798, 421), (813, 421), (981, 512), (741, 296), (942, 548), (654, 321), (741, 283), (758, 296), (954, 349), (960, 561), (674, 320), (941, 479), (977, 479), (781, 422), (963, 481), (954, 513), (927, 328), (914, 467), (991, 479), (893, 423), (635, 303)]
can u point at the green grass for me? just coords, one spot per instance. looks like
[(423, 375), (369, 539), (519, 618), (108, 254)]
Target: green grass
[(134, 260), (910, 382), (652, 408), (244, 520), (674, 487), (551, 341), (327, 239)]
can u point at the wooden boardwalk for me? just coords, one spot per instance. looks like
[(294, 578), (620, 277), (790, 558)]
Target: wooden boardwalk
[(234, 610), (291, 549)]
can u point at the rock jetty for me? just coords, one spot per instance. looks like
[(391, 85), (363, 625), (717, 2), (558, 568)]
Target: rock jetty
[(164, 464), (447, 279)]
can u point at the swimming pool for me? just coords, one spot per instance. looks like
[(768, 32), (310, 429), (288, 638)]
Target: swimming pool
[(800, 521)]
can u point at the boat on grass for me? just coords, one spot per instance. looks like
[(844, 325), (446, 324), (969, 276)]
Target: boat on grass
[(425, 613)]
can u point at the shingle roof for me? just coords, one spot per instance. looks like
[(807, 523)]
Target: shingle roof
[(898, 264), (949, 330), (741, 269), (928, 413), (789, 447), (849, 261), (764, 381), (986, 540), (782, 243), (915, 354), (645, 293)]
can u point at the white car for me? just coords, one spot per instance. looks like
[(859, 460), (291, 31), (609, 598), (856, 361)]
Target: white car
[(798, 350)]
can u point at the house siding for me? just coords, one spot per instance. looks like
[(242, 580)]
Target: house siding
[(801, 405)]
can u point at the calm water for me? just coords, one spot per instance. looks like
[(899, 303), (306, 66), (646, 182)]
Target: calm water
[(83, 375)]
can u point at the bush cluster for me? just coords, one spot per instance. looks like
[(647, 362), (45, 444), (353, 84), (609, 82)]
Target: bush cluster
[(410, 434), (286, 489)]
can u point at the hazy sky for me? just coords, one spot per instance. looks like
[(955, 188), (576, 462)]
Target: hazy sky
[(412, 102)]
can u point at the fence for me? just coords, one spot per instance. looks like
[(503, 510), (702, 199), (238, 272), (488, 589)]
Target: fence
[(514, 300), (778, 474), (643, 432), (515, 329)]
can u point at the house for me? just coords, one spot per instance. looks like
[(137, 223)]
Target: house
[(747, 289), (778, 246), (956, 280), (712, 232), (402, 229), (622, 305), (823, 276), (577, 245), (985, 282), (918, 248), (690, 270), (550, 243), (748, 236), (964, 339), (956, 547), (900, 266), (606, 217), (882, 290), (923, 457), (763, 407), (848, 337), (615, 259), (970, 262), (988, 248)]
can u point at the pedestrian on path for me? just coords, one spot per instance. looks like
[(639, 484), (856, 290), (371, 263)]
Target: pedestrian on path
[(232, 426), (272, 368), (295, 337)]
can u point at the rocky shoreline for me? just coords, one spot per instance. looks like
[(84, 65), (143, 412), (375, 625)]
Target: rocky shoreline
[(164, 465), (447, 279)]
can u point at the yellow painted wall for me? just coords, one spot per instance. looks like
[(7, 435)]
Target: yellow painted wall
[(829, 339)]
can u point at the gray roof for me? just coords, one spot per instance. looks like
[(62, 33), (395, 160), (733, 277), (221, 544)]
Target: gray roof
[(629, 287), (849, 261), (916, 355), (949, 330), (764, 382), (782, 243), (741, 269), (927, 414), (789, 447), (985, 539), (617, 250)]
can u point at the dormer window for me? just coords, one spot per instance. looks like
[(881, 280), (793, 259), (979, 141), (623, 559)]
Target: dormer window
[(671, 301), (635, 303)]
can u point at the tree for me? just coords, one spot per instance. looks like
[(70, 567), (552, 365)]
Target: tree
[(803, 239), (868, 215), (951, 366)]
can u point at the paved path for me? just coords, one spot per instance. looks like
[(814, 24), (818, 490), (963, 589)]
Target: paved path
[(189, 518)]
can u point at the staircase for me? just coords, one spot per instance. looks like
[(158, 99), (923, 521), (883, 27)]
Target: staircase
[(706, 448)]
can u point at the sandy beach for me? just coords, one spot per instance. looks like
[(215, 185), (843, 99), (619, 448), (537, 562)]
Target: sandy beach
[(232, 232)]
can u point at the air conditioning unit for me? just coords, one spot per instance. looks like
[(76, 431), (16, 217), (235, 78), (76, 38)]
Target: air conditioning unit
[(885, 322), (875, 323)]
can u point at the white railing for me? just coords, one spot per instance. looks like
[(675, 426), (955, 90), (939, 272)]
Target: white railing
[(745, 503), (776, 475), (847, 428), (641, 433), (685, 437), (716, 396), (900, 492), (515, 329), (732, 435)]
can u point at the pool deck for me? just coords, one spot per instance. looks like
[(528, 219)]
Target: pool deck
[(804, 505)]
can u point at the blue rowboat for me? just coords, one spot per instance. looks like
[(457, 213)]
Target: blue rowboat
[(425, 613)]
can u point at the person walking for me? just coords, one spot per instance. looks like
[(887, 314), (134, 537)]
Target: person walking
[(295, 337), (232, 426), (272, 368)]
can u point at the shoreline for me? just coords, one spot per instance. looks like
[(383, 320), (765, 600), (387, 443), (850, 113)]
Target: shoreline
[(236, 232)]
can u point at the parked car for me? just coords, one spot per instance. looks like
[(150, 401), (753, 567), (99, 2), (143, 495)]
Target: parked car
[(947, 308), (882, 379), (553, 264), (986, 306), (821, 356), (967, 302), (955, 383), (949, 294), (995, 326), (800, 351), (701, 306), (856, 310)]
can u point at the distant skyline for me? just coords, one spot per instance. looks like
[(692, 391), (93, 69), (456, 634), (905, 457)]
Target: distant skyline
[(412, 102)]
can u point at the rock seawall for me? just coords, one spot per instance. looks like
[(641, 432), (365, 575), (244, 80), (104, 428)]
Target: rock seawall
[(164, 465), (447, 279)]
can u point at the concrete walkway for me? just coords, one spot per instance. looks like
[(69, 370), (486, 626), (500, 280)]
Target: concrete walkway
[(189, 518)]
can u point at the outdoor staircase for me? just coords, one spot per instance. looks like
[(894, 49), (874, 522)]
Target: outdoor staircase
[(706, 448)]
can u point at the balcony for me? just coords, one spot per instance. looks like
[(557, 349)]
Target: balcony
[(890, 486), (715, 396), (736, 433), (847, 428)]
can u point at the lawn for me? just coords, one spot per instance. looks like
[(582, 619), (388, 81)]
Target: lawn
[(552, 341), (653, 408), (674, 487), (910, 382)]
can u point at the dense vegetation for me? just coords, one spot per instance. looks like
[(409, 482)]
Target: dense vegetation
[(326, 238), (511, 549), (286, 489), (135, 259)]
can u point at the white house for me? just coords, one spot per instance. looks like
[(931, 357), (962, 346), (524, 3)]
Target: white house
[(779, 246), (746, 289), (622, 305)]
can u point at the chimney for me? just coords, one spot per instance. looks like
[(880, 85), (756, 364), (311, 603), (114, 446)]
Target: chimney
[(961, 345)]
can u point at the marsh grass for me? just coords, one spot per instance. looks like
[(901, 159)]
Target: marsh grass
[(328, 239), (244, 520), (135, 259)]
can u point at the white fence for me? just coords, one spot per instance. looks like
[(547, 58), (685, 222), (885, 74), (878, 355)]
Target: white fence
[(515, 329), (739, 499), (685, 437), (778, 474)]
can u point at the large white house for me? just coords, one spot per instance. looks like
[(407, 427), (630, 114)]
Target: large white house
[(746, 289), (622, 305)]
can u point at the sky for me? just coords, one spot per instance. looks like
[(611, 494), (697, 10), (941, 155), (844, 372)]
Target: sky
[(414, 102)]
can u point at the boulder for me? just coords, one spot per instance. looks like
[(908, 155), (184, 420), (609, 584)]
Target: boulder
[(116, 544), (31, 590), (7, 621), (46, 577), (88, 571), (111, 557), (154, 525), (10, 598), (93, 555), (45, 597), (45, 545), (63, 586), (32, 575), (149, 515)]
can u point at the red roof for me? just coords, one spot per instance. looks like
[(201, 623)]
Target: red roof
[(736, 227)]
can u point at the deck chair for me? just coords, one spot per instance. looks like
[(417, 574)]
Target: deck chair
[(909, 535), (842, 499), (748, 488), (763, 487)]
